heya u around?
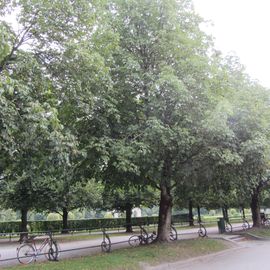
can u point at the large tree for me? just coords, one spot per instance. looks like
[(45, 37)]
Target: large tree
[(162, 65)]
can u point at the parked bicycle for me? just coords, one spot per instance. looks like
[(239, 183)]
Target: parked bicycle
[(143, 238), (265, 221), (106, 243), (228, 227), (28, 251), (202, 230), (173, 234), (245, 225)]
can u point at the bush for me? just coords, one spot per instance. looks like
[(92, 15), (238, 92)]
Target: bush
[(83, 224)]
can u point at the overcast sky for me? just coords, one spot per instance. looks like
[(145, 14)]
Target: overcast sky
[(241, 26)]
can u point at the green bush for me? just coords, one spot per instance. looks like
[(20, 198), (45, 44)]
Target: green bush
[(83, 224)]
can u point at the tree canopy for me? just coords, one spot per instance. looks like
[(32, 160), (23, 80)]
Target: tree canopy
[(120, 98)]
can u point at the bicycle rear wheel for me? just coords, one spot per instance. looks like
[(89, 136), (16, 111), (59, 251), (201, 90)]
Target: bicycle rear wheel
[(106, 244), (25, 253)]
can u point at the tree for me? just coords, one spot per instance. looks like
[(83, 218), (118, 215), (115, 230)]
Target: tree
[(69, 45), (126, 198), (251, 126), (33, 135), (162, 63)]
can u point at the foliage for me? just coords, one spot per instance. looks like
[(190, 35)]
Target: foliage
[(125, 99)]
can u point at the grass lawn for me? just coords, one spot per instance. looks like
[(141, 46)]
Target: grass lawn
[(261, 232), (130, 258)]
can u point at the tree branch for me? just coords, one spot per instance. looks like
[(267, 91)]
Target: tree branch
[(19, 40)]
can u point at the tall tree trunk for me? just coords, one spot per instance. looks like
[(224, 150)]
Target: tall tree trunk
[(199, 214), (255, 209), (165, 214), (23, 228), (225, 213), (128, 218), (243, 212), (65, 220), (190, 213), (24, 220)]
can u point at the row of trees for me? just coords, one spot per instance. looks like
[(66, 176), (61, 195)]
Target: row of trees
[(117, 102)]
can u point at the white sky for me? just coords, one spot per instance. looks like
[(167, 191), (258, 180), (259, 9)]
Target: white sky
[(241, 26)]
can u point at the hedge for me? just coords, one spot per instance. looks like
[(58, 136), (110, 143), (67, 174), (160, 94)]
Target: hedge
[(83, 224)]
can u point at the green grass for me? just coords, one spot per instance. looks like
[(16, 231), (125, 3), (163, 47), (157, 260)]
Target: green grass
[(260, 232), (130, 258)]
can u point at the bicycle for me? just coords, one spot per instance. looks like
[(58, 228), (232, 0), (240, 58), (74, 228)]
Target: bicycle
[(28, 251), (202, 232), (245, 225), (142, 239), (106, 243), (228, 227), (265, 221), (173, 234)]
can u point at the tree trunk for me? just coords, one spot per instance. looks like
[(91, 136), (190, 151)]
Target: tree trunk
[(165, 214), (255, 209), (128, 218), (225, 213), (23, 228), (243, 213), (190, 213), (65, 220), (24, 220), (199, 214)]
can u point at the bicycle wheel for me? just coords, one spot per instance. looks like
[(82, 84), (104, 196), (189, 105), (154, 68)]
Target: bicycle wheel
[(245, 225), (152, 237), (228, 227), (202, 231), (26, 253), (173, 234), (52, 251), (267, 223), (106, 244), (144, 237), (134, 240)]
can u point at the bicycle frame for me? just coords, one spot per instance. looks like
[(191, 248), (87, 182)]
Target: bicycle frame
[(44, 243)]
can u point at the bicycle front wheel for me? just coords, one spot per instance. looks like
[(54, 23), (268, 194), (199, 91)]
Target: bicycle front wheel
[(228, 227), (267, 223), (173, 234), (245, 225), (52, 251), (134, 240), (26, 253), (202, 231), (106, 244)]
